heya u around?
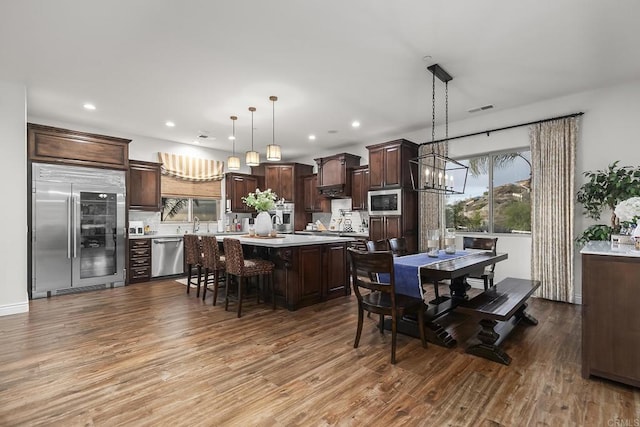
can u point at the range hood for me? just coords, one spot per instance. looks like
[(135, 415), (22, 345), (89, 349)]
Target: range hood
[(334, 174), (335, 191)]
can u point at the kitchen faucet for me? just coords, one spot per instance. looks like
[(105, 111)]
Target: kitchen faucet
[(196, 224), (275, 220)]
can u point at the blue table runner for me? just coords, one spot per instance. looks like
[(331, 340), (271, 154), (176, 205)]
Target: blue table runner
[(407, 271)]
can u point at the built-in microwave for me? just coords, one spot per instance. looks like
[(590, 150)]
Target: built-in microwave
[(385, 202)]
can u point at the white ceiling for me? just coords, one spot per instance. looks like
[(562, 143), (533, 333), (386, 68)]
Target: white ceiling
[(197, 62)]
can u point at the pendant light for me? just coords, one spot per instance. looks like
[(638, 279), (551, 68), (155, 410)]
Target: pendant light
[(273, 150), (434, 172), (253, 157), (233, 161)]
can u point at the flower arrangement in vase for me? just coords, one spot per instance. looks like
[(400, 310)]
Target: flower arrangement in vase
[(628, 212), (261, 201)]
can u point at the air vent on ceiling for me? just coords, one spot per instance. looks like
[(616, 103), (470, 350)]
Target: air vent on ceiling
[(484, 107)]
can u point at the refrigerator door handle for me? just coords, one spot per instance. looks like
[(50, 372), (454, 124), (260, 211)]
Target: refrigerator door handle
[(69, 227), (73, 210)]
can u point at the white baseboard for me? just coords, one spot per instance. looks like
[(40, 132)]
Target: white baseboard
[(20, 307)]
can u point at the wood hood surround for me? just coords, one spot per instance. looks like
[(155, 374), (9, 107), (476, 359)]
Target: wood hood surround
[(334, 174)]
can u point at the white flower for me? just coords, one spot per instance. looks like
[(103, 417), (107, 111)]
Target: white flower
[(628, 210)]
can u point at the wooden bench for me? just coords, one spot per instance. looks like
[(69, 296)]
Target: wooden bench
[(500, 309)]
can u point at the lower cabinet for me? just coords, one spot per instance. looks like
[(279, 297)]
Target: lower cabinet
[(307, 275), (610, 321), (139, 260), (384, 227)]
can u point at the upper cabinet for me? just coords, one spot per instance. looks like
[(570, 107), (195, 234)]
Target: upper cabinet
[(238, 186), (285, 179), (389, 165), (54, 145), (334, 174), (360, 188), (313, 202), (144, 186)]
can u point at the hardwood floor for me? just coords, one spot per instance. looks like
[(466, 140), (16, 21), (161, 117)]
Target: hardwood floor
[(148, 354)]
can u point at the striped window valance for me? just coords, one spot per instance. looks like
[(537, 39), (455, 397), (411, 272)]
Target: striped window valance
[(191, 168)]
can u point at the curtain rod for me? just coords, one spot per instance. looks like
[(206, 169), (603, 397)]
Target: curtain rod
[(503, 128)]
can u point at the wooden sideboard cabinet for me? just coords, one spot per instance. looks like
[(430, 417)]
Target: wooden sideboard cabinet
[(144, 186), (54, 145), (610, 320)]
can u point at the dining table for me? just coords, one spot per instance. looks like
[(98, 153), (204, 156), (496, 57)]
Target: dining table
[(413, 272)]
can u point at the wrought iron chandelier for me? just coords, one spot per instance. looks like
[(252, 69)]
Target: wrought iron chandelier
[(435, 172)]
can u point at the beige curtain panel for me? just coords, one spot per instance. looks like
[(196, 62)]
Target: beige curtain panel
[(191, 168), (553, 152), (431, 205)]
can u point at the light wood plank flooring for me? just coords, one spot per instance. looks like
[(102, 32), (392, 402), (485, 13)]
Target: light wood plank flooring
[(150, 355)]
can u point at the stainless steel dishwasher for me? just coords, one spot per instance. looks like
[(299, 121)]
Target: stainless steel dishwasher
[(167, 256)]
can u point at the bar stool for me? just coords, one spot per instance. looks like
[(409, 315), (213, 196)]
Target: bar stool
[(237, 266), (213, 263), (193, 258)]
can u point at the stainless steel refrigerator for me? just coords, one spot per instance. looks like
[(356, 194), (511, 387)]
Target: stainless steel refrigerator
[(77, 229)]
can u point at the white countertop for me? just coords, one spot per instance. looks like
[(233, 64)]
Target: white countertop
[(608, 248), (282, 241), (288, 240)]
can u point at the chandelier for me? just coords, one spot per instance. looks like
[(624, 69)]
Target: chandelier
[(435, 172)]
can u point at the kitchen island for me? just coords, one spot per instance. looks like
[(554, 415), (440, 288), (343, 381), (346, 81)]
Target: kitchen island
[(308, 269)]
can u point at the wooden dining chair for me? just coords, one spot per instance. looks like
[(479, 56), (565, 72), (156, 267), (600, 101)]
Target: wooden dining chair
[(193, 259), (382, 298), (378, 245), (242, 268), (398, 246), (213, 263), (486, 244)]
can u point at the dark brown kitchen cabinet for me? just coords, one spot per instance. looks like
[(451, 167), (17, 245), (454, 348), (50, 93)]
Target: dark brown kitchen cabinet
[(385, 227), (360, 188), (334, 174), (389, 165), (54, 145), (285, 179), (238, 186), (139, 260), (313, 202), (307, 275), (610, 321), (144, 186)]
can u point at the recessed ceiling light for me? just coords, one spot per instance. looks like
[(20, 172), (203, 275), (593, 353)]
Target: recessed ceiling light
[(170, 124), (312, 137), (355, 124), (89, 106)]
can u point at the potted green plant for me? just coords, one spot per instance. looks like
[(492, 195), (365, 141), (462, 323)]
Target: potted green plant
[(603, 191)]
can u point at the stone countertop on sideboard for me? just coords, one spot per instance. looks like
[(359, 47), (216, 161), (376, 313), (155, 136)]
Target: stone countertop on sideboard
[(608, 248)]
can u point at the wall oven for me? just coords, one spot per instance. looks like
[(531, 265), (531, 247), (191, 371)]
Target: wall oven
[(385, 202)]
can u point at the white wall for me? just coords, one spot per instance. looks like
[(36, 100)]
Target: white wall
[(13, 252)]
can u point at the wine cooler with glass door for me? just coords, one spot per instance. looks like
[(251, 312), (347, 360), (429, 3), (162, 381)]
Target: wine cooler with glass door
[(77, 229)]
